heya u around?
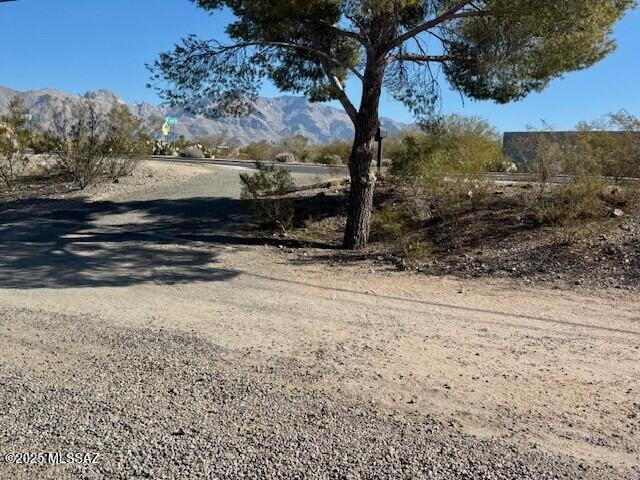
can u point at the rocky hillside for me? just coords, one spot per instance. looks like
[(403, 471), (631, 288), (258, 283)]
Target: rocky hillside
[(272, 118)]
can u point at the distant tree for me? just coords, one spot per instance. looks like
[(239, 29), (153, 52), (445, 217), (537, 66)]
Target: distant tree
[(125, 141), (15, 139), (88, 143), (260, 151), (487, 49), (77, 140), (613, 143)]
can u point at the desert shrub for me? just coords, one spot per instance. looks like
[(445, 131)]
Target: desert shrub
[(285, 157), (613, 143), (299, 146), (582, 199), (266, 192), (338, 149), (124, 142), (329, 159), (160, 147), (547, 159), (192, 151), (77, 140), (88, 144), (15, 138), (260, 151), (400, 223), (457, 145), (13, 160), (445, 166)]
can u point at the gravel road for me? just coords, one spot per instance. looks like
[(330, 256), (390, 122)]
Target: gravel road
[(156, 403), (137, 324)]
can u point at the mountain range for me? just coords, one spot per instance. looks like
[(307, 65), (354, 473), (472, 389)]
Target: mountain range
[(272, 119)]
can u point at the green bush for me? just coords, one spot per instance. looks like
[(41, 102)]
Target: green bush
[(329, 159), (613, 144), (457, 145), (259, 151), (124, 142), (265, 191)]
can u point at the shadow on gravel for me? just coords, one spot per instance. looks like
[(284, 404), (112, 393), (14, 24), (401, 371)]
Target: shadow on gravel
[(63, 243)]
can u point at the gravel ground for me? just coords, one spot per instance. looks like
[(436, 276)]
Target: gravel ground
[(163, 404), (134, 324)]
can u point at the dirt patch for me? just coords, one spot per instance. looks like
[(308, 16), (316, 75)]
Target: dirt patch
[(148, 176), (498, 236)]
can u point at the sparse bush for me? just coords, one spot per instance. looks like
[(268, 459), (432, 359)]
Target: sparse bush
[(15, 137), (124, 142), (13, 160), (579, 200), (88, 144), (78, 141), (585, 161), (337, 149), (547, 159), (401, 223), (265, 191), (614, 144), (299, 147)]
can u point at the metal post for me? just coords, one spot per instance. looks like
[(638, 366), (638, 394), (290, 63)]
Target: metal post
[(380, 135), (380, 156)]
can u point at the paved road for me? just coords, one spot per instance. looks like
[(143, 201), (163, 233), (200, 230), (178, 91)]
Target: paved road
[(343, 171), (299, 168)]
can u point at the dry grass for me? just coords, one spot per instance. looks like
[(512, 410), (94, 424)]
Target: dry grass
[(504, 230)]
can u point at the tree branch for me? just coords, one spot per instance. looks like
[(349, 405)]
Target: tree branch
[(409, 57), (323, 55), (341, 31), (342, 95), (452, 14)]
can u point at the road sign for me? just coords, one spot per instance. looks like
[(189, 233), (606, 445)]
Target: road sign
[(171, 120), (166, 129)]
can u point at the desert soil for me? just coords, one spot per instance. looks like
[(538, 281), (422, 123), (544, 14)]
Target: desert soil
[(136, 323)]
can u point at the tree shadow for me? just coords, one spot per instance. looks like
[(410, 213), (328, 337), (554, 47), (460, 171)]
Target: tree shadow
[(67, 243)]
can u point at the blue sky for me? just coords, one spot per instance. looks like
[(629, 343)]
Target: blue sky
[(80, 45)]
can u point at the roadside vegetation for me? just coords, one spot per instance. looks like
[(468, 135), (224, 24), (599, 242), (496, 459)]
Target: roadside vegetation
[(15, 138), (265, 191), (574, 211), (84, 146), (298, 149)]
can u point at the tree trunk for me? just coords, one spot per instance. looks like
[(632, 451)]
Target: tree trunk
[(363, 181), (356, 235)]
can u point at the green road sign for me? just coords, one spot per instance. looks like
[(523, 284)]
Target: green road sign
[(171, 120)]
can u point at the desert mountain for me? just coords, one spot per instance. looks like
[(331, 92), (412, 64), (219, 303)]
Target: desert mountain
[(272, 118)]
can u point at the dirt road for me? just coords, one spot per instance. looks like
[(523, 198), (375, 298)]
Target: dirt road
[(142, 326)]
